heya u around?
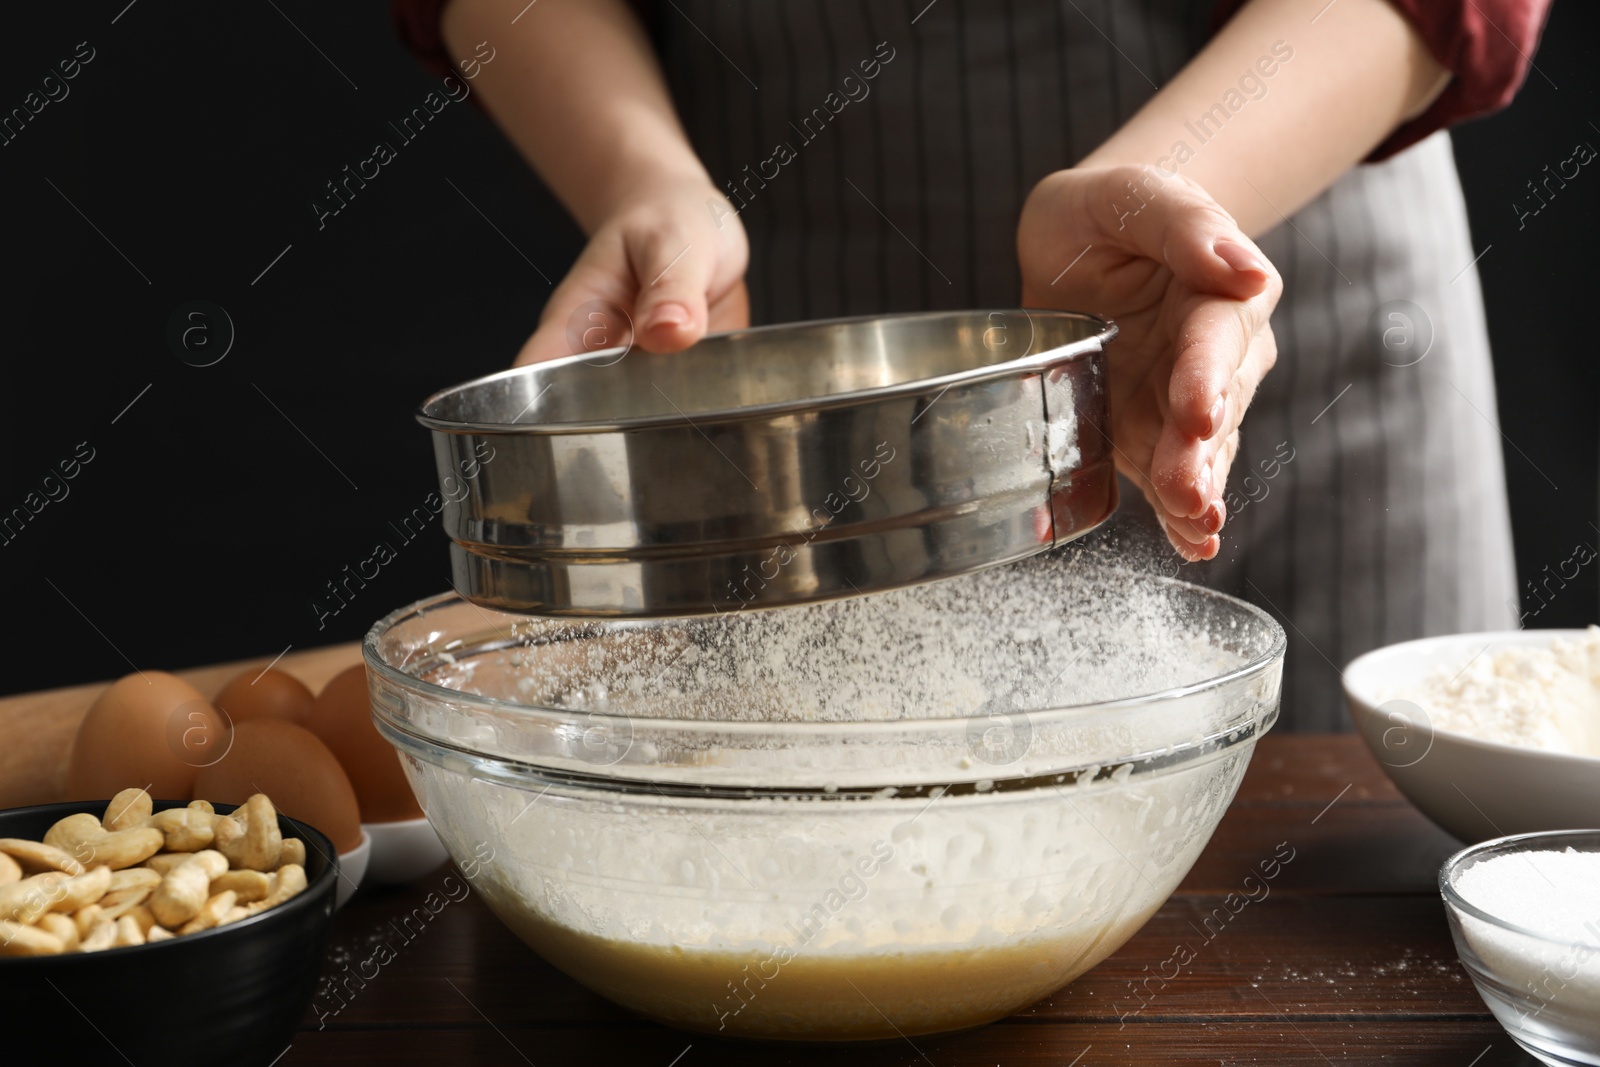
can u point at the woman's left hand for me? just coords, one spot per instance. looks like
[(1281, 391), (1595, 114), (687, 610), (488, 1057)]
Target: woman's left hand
[(1193, 298)]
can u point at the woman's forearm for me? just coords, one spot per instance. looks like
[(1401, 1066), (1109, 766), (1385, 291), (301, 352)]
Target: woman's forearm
[(1276, 106), (577, 88)]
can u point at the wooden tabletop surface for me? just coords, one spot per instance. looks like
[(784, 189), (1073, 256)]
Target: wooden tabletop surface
[(1346, 959)]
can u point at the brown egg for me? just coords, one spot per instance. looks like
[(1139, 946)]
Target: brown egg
[(342, 717), (149, 729), (295, 770), (269, 694)]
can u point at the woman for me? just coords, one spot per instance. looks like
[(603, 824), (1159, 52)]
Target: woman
[(879, 156)]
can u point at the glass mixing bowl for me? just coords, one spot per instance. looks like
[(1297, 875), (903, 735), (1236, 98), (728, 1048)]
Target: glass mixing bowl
[(898, 814)]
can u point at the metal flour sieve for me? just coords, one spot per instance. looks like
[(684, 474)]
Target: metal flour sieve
[(778, 465)]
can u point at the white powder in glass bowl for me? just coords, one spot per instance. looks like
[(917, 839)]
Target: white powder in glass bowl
[(1544, 989), (1554, 894)]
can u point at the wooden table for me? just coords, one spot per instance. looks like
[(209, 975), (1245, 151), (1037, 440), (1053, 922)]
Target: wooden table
[(1346, 959)]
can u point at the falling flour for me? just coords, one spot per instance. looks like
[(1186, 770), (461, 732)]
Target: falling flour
[(1043, 633)]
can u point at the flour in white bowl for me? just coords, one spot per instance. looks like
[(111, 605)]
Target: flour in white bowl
[(1533, 696)]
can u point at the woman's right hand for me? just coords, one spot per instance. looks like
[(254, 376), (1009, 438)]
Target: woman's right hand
[(670, 260)]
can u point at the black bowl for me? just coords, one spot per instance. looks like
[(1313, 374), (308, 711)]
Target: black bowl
[(230, 995)]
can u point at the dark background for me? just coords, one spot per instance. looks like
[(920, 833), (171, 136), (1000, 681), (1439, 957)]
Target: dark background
[(219, 504)]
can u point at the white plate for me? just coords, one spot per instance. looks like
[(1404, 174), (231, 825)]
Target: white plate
[(403, 851), (1473, 789), (352, 869)]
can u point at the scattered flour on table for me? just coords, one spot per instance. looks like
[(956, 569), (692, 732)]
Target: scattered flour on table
[(1545, 697)]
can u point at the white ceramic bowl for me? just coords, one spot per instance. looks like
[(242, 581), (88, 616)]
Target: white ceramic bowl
[(1474, 789), (402, 851), (352, 869)]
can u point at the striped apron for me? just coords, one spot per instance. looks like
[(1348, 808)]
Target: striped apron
[(879, 153)]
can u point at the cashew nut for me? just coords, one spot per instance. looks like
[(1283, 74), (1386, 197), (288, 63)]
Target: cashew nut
[(68, 833), (43, 856), (18, 939), (116, 904), (211, 913), (185, 889), (258, 849), (128, 932), (228, 832), (140, 914), (134, 878), (83, 836), (158, 933), (85, 889), (102, 935), (288, 881), (86, 918), (163, 863), (293, 851), (186, 829), (250, 886), (62, 927), (127, 809), (30, 898), (10, 869)]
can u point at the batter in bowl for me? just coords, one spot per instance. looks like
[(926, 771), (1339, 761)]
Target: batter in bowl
[(821, 995)]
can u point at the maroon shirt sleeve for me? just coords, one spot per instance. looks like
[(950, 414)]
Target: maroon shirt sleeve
[(417, 22), (1487, 45)]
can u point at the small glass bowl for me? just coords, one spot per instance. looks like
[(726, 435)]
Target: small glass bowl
[(1544, 990)]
